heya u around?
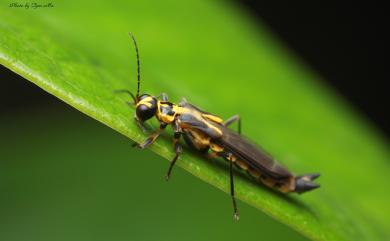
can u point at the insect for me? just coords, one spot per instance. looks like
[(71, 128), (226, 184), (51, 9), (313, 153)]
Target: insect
[(209, 134)]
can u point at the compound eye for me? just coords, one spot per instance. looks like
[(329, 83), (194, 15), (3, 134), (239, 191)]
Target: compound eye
[(144, 112)]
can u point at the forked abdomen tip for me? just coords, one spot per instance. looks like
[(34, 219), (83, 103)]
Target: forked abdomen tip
[(304, 183)]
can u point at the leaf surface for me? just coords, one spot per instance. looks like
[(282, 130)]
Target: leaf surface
[(212, 54)]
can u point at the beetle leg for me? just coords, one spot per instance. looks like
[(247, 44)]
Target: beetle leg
[(231, 159), (236, 216), (131, 104), (151, 138), (212, 155), (178, 149), (129, 93), (164, 96), (233, 119), (140, 124)]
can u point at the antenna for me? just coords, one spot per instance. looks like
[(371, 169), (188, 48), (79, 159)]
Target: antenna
[(138, 65)]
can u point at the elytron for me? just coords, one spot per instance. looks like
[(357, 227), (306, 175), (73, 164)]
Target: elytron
[(209, 134)]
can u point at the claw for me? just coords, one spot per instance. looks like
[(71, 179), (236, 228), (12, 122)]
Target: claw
[(236, 216)]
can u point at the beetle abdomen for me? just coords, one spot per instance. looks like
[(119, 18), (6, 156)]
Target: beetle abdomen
[(299, 184), (285, 184)]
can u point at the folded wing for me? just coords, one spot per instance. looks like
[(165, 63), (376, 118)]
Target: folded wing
[(253, 155)]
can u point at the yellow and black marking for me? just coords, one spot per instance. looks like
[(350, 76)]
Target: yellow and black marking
[(209, 134)]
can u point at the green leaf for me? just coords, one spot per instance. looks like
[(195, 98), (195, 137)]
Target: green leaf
[(212, 54), (88, 184)]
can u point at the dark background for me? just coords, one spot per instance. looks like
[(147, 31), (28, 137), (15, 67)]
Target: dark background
[(343, 43)]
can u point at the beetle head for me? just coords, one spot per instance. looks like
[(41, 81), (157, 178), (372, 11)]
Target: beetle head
[(146, 107)]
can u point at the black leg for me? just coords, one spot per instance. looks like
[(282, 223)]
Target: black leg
[(229, 157), (151, 138), (236, 216), (164, 97), (231, 120), (131, 104), (212, 155), (178, 150), (127, 92), (140, 124)]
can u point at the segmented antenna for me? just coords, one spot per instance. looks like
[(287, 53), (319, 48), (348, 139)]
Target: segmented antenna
[(138, 65)]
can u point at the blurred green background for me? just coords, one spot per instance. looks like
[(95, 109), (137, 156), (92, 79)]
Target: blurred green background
[(90, 184)]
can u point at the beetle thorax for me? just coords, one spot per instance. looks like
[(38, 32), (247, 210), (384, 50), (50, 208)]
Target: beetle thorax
[(166, 111)]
